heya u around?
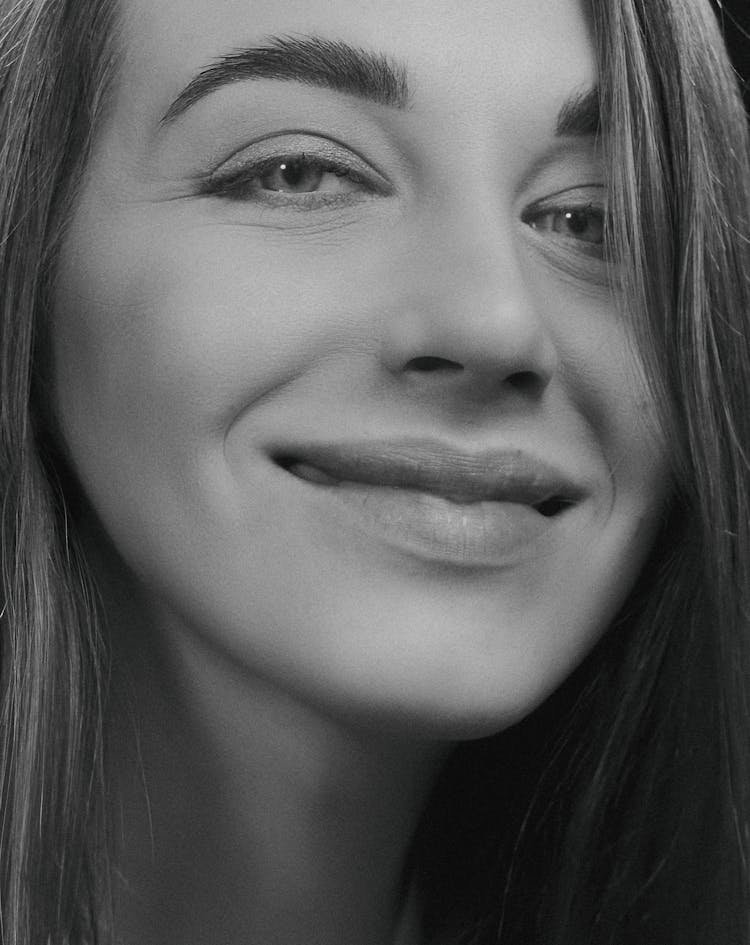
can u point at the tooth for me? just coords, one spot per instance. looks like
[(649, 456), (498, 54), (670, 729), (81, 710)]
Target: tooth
[(312, 474)]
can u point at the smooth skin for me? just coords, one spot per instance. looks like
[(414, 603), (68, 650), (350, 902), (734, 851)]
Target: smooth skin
[(298, 675)]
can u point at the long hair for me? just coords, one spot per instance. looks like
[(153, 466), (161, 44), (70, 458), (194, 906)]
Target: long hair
[(53, 69), (617, 814)]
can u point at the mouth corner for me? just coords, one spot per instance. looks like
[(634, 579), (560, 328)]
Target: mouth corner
[(553, 506), (283, 460), (301, 470)]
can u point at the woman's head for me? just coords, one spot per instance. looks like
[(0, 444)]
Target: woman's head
[(258, 286), (274, 282)]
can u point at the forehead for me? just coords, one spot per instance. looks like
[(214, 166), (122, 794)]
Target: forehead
[(528, 52)]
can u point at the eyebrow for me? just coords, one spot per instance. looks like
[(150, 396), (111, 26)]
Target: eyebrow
[(309, 60), (340, 67), (581, 115)]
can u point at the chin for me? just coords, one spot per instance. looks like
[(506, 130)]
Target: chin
[(452, 699)]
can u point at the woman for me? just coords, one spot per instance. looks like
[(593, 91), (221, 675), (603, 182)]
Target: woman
[(375, 422)]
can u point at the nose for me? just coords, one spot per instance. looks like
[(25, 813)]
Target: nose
[(463, 314)]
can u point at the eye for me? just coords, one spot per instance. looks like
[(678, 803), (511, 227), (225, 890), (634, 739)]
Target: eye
[(570, 229), (303, 175), (327, 174), (585, 224), (294, 175)]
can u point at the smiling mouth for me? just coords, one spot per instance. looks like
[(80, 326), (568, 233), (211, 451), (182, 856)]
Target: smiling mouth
[(547, 501), (444, 504), (459, 477)]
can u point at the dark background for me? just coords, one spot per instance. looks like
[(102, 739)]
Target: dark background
[(734, 15)]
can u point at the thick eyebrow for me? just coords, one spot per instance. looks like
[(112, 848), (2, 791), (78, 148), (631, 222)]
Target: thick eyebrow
[(310, 60), (581, 115)]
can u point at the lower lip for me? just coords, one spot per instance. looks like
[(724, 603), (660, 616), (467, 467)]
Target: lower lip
[(471, 534)]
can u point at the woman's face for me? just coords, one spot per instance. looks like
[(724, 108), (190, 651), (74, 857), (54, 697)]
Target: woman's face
[(336, 360)]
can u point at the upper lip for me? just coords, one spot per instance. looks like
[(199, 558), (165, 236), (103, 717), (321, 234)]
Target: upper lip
[(499, 475)]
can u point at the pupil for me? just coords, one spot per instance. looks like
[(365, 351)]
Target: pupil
[(577, 222), (292, 173)]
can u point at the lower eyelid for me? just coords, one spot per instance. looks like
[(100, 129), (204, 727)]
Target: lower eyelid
[(239, 194)]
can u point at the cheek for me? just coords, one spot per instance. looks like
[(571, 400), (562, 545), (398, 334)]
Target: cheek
[(602, 374), (602, 378), (163, 333), (163, 336)]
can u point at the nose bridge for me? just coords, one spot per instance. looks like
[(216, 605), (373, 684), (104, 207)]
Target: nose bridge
[(463, 298)]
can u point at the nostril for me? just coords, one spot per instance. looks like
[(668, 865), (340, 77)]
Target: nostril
[(526, 382), (428, 364)]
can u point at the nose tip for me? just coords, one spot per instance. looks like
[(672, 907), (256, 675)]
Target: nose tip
[(465, 314), (484, 343)]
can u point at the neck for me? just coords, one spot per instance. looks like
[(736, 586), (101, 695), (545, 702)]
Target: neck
[(249, 816)]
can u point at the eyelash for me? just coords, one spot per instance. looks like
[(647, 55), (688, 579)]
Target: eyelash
[(568, 212), (244, 184)]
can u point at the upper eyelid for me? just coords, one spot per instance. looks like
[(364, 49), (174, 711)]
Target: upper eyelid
[(258, 168), (558, 196), (569, 198), (331, 150)]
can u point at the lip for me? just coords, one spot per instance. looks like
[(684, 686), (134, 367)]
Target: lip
[(442, 502)]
